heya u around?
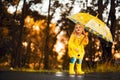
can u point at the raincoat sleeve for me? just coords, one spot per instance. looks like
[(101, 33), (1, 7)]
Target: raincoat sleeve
[(85, 41)]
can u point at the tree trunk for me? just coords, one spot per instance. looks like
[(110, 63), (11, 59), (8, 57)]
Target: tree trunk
[(1, 13), (18, 59), (112, 18), (46, 48), (106, 46)]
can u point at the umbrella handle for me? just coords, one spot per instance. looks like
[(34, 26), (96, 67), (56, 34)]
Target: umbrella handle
[(82, 40), (97, 14)]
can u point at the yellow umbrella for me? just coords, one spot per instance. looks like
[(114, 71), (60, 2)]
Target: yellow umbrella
[(93, 25)]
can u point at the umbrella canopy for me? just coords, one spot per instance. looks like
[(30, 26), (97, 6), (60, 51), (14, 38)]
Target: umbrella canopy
[(92, 24)]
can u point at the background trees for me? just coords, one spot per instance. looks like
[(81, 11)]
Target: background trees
[(36, 34)]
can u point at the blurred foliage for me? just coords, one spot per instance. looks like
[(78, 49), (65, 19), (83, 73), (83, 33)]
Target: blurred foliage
[(33, 39)]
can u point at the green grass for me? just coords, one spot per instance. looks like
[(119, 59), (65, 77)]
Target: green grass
[(106, 67)]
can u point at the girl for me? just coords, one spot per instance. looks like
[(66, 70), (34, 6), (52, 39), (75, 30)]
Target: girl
[(78, 40)]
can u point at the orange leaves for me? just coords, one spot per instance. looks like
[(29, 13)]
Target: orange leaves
[(38, 25), (5, 31), (29, 21), (52, 28)]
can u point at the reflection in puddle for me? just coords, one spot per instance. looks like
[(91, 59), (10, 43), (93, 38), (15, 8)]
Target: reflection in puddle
[(59, 74)]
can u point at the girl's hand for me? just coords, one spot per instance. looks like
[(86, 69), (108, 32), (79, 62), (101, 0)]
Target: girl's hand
[(86, 33)]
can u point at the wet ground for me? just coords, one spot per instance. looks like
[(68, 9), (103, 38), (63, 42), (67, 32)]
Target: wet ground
[(15, 75)]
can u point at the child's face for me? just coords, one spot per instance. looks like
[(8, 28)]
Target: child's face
[(78, 28)]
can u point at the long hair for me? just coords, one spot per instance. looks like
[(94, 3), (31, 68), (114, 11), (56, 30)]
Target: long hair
[(74, 32)]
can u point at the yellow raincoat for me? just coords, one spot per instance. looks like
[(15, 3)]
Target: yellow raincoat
[(77, 43)]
